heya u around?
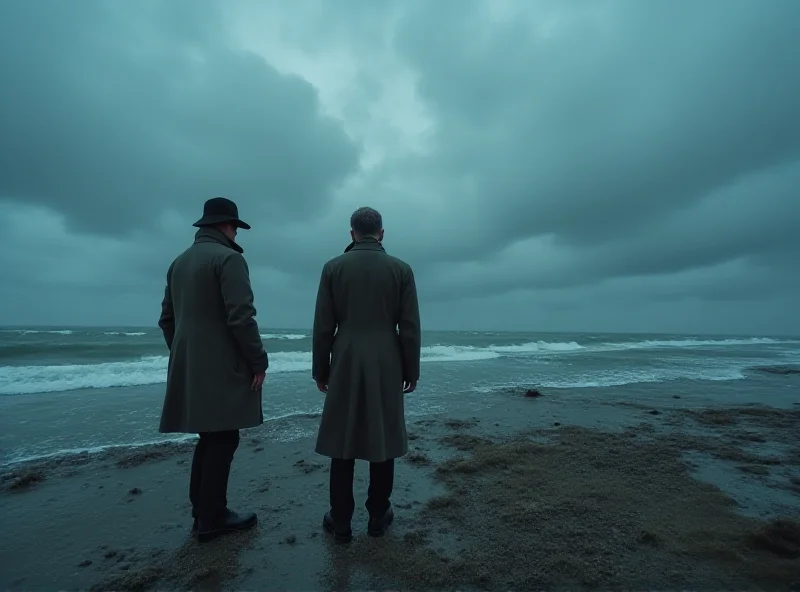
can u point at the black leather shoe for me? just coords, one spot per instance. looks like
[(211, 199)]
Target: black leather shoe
[(339, 535), (231, 522), (377, 526)]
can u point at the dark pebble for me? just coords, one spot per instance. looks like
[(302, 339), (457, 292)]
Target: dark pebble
[(558, 423), (654, 412), (135, 491)]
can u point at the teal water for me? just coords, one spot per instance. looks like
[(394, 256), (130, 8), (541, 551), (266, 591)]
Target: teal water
[(72, 388)]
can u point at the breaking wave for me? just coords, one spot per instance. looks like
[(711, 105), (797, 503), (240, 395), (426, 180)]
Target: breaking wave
[(18, 380)]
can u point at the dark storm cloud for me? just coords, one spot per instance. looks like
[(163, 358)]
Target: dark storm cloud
[(624, 161), (115, 112), (637, 137), (756, 219), (618, 114)]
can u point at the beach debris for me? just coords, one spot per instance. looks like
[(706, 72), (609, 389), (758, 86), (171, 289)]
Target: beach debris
[(426, 422), (307, 467), (460, 424), (135, 491), (135, 459), (443, 501), (781, 537), (138, 580), (649, 538), (780, 370), (416, 537), (754, 469), (22, 480), (417, 458), (532, 394)]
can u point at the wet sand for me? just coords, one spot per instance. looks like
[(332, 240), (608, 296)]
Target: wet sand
[(532, 494)]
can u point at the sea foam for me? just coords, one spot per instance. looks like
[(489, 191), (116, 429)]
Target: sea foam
[(19, 380)]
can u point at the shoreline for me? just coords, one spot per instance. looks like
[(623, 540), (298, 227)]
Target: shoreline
[(103, 450), (557, 495), (776, 371)]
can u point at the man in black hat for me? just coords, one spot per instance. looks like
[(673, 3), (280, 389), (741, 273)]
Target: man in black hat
[(217, 362)]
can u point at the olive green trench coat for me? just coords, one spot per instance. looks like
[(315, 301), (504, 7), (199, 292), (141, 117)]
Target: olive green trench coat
[(208, 322), (366, 343)]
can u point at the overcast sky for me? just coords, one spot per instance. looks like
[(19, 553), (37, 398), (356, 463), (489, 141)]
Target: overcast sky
[(543, 165)]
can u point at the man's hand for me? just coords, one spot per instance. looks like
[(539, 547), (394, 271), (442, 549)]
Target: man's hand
[(408, 387), (323, 388), (258, 381)]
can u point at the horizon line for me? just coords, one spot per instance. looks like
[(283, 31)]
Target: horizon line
[(532, 331)]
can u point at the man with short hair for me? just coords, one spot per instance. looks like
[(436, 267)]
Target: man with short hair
[(217, 362), (366, 356)]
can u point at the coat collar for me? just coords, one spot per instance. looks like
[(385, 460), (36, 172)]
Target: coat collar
[(368, 243), (212, 235)]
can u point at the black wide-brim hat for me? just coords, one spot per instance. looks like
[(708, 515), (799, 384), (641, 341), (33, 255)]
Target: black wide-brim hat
[(219, 210)]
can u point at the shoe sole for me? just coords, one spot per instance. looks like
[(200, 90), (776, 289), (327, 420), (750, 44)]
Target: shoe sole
[(337, 537), (211, 535)]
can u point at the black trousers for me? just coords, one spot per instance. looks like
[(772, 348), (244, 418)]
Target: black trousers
[(381, 483), (211, 466)]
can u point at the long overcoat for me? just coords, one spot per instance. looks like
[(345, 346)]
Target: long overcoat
[(366, 343), (208, 321)]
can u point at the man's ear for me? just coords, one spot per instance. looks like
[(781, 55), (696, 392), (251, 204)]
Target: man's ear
[(380, 235), (353, 235)]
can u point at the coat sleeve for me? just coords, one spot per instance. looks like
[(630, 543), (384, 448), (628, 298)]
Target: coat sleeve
[(237, 294), (324, 329), (166, 321), (409, 328)]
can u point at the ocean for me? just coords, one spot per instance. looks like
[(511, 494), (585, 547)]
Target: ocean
[(76, 389)]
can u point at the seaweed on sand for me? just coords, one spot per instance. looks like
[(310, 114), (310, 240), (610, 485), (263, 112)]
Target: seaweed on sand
[(22, 480), (589, 509)]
